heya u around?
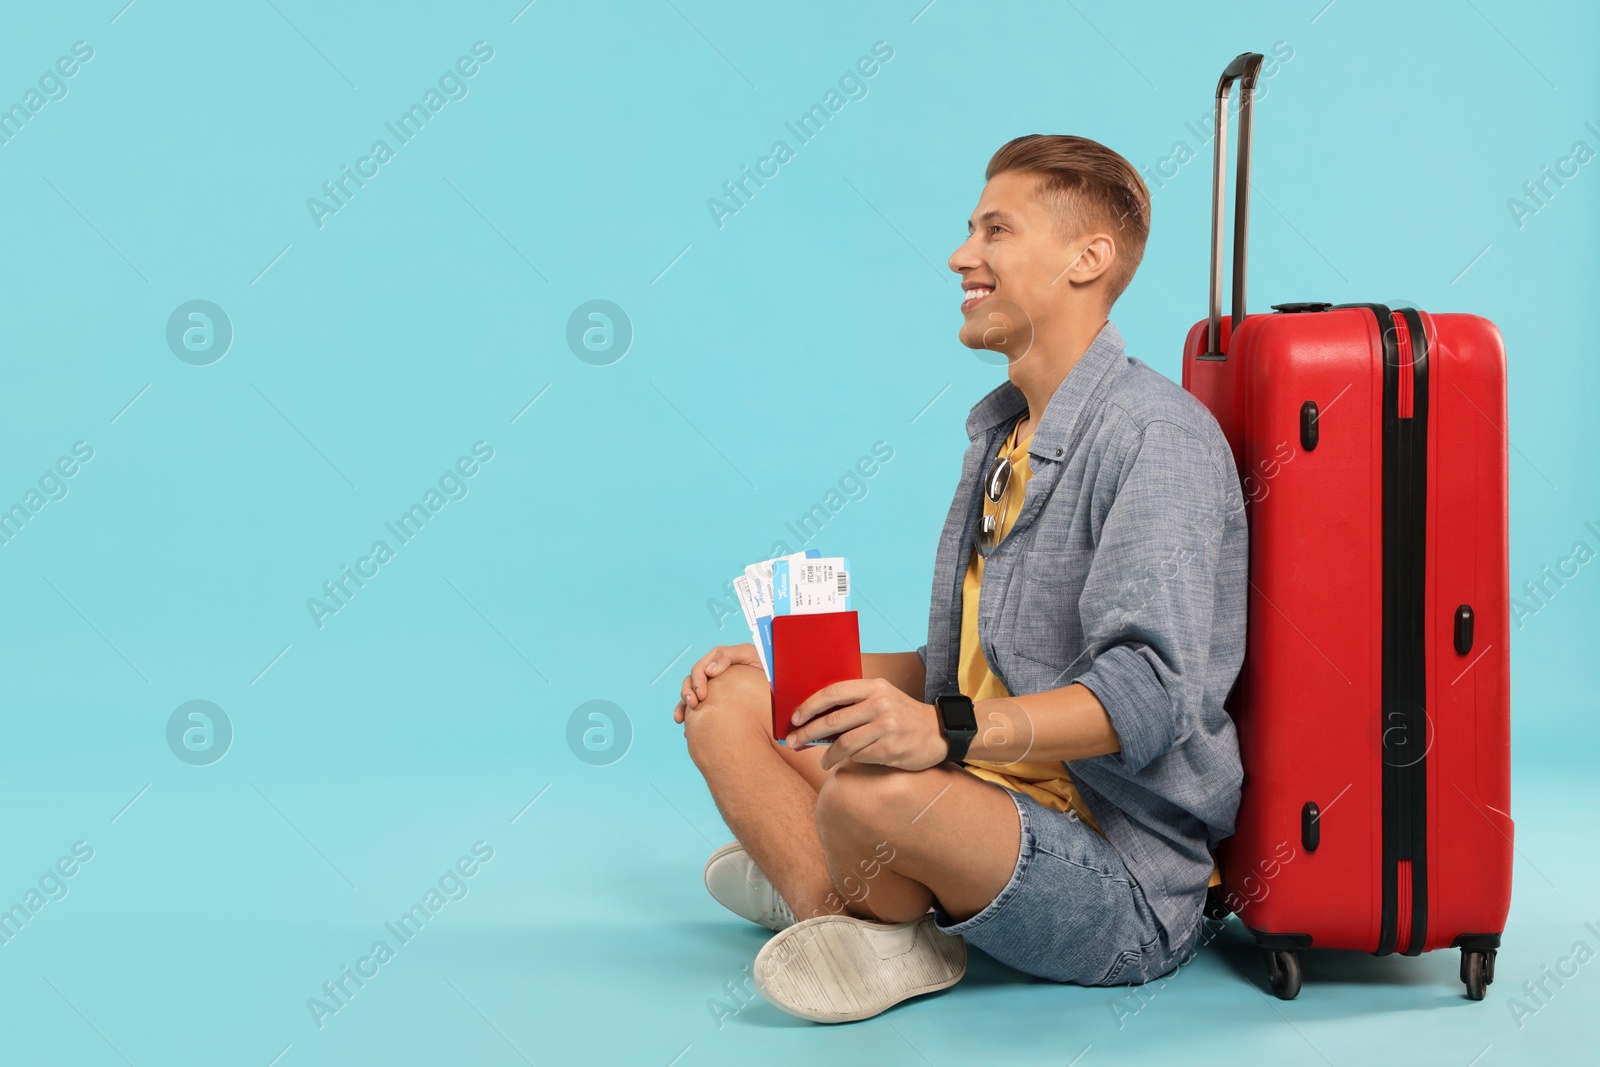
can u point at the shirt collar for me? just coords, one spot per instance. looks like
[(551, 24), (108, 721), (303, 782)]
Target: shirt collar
[(1006, 401)]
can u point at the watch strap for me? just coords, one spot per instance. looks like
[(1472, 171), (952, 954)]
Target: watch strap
[(957, 743), (958, 737)]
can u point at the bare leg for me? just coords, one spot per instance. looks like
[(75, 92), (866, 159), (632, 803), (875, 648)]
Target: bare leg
[(767, 794), (897, 840)]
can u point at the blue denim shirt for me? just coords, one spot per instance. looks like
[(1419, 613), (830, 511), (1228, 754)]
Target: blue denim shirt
[(1125, 571)]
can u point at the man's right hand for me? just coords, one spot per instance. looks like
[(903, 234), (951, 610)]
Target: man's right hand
[(713, 663)]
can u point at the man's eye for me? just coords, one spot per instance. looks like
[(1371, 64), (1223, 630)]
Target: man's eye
[(996, 228)]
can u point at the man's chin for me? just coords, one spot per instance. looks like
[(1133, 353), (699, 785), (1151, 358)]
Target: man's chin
[(1001, 327), (976, 333), (973, 338)]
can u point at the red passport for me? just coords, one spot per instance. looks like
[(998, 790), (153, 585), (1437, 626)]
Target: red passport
[(808, 653)]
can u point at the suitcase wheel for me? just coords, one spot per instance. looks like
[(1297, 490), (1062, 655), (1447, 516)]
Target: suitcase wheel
[(1283, 973), (1477, 971), (1488, 968)]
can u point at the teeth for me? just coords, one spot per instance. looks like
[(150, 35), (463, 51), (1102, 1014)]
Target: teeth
[(974, 294)]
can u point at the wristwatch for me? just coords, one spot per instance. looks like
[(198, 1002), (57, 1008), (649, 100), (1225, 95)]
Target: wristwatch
[(958, 722)]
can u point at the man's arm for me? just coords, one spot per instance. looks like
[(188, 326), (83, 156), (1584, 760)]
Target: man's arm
[(1148, 600), (903, 670), (1059, 724), (887, 726), (1146, 607)]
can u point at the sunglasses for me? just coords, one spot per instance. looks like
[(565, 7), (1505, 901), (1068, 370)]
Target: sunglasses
[(995, 488)]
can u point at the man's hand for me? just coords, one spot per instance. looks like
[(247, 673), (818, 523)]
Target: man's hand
[(713, 663), (876, 723)]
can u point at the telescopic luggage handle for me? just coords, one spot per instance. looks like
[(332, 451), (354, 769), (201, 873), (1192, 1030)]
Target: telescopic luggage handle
[(1245, 69)]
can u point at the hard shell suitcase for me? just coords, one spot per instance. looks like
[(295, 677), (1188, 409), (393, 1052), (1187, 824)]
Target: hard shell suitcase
[(1373, 706)]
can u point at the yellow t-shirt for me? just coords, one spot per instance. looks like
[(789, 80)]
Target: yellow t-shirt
[(1046, 781)]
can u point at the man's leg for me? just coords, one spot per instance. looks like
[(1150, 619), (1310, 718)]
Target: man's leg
[(896, 840), (950, 834), (767, 794)]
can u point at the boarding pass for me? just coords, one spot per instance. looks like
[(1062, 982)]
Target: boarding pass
[(810, 586)]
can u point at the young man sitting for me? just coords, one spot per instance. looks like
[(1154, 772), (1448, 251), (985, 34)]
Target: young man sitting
[(1089, 602)]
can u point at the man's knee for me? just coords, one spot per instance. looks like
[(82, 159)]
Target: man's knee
[(735, 710), (862, 797)]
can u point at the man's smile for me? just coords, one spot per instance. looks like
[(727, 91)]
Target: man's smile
[(972, 295)]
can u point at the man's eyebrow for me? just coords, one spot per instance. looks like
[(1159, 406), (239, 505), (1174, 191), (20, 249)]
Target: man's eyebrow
[(995, 215)]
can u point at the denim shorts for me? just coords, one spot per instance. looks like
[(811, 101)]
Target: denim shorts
[(1072, 912)]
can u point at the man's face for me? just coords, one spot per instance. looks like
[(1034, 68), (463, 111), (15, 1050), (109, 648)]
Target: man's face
[(1013, 253)]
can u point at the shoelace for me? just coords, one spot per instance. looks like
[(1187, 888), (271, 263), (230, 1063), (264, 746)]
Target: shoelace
[(780, 910)]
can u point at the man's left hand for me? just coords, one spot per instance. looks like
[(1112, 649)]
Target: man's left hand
[(875, 723)]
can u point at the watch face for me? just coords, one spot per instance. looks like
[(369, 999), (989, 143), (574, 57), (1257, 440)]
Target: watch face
[(958, 715)]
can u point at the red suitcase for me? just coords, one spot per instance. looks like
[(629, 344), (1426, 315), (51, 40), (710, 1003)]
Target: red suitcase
[(1373, 707)]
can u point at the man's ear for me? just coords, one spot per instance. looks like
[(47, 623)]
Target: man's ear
[(1093, 262)]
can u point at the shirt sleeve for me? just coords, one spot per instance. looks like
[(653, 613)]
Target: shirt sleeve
[(1148, 600)]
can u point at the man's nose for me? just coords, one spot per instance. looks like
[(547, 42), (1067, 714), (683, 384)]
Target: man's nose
[(963, 257)]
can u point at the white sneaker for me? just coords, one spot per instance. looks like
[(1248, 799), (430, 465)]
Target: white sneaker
[(735, 882), (837, 968)]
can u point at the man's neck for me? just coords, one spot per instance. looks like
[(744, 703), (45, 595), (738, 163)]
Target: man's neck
[(1040, 373)]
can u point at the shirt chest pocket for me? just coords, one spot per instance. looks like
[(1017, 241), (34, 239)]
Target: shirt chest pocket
[(1047, 628)]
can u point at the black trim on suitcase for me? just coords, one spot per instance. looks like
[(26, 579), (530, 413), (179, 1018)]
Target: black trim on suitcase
[(1413, 662), (1280, 942), (1477, 942), (1403, 740)]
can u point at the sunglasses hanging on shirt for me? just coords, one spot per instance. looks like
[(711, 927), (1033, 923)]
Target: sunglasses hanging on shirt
[(996, 488)]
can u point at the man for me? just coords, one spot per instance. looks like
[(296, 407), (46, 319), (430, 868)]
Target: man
[(1088, 598)]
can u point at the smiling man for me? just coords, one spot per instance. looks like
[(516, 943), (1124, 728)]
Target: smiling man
[(1047, 776)]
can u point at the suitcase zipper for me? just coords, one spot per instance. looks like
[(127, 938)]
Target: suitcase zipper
[(1403, 729), (1405, 737), (1403, 362), (1402, 934)]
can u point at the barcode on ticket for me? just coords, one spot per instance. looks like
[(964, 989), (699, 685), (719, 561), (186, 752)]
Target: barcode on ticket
[(819, 585)]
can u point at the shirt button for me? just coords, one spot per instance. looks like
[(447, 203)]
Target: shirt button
[(1058, 451)]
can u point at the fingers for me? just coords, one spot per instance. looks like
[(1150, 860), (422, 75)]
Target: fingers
[(713, 663), (686, 699), (852, 745), (722, 657), (838, 694), (834, 722), (693, 690)]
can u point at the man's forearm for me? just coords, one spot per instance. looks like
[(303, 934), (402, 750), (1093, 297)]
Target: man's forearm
[(1059, 724), (903, 670)]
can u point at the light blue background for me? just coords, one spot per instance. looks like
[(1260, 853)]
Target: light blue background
[(768, 356)]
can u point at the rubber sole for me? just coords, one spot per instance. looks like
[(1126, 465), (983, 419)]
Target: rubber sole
[(839, 969), (765, 919)]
